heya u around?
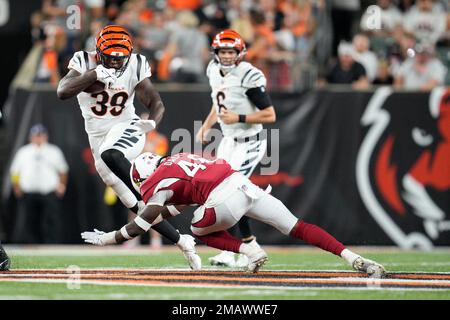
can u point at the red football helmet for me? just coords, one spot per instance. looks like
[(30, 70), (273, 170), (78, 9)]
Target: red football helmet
[(229, 39), (114, 47)]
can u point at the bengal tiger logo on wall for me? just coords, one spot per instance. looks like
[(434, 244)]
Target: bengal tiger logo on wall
[(403, 165)]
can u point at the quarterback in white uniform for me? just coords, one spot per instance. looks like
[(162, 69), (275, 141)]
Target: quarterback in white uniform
[(105, 82), (241, 105)]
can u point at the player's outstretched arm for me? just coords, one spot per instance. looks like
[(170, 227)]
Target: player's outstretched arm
[(141, 224), (74, 82), (151, 99)]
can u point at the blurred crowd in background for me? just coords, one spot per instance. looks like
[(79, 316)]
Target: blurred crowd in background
[(298, 44)]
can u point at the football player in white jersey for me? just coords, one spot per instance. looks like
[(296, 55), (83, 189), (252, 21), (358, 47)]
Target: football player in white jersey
[(105, 82), (241, 105)]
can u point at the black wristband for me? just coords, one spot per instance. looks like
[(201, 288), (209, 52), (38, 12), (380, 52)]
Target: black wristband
[(242, 118)]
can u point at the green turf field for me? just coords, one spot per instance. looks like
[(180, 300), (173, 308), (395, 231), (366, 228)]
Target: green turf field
[(290, 259)]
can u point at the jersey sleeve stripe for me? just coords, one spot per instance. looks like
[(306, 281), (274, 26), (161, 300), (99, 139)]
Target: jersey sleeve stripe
[(86, 60), (243, 78), (79, 60), (138, 71), (259, 74)]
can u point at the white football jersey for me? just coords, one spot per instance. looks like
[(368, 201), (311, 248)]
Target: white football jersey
[(103, 110), (229, 92)]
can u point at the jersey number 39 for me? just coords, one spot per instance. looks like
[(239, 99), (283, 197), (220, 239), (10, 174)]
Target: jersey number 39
[(116, 103)]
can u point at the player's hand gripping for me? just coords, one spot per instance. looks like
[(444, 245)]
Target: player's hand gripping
[(106, 75), (201, 135), (99, 238), (228, 117)]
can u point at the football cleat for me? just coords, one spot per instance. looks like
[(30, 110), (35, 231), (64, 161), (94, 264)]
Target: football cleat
[(187, 246), (225, 258), (257, 257), (5, 262), (242, 261), (373, 269)]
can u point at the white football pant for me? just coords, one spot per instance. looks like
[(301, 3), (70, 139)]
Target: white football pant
[(246, 199), (119, 138)]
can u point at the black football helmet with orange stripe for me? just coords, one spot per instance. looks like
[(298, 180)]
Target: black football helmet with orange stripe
[(114, 47)]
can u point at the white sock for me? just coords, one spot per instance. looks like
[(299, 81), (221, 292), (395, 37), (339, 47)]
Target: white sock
[(245, 248), (349, 256), (125, 195)]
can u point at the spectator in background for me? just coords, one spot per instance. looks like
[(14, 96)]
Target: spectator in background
[(384, 76), (273, 15), (181, 5), (422, 72), (390, 15), (239, 16), (185, 56), (347, 70), (298, 18), (153, 39), (39, 178), (95, 27), (400, 50), (363, 55), (425, 22)]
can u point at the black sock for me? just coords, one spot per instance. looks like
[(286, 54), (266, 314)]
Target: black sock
[(167, 230), (244, 228), (120, 166), (135, 208)]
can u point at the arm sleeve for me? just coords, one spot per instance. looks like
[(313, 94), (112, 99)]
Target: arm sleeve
[(259, 97), (77, 62), (160, 198)]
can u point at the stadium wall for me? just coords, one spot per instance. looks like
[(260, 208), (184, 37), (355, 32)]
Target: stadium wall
[(371, 167)]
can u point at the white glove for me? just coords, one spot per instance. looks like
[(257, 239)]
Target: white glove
[(143, 126), (105, 75), (99, 238)]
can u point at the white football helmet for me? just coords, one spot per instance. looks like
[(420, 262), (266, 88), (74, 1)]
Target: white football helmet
[(142, 167)]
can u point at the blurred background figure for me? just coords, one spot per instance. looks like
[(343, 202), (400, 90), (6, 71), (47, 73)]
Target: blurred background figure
[(423, 71), (363, 55), (187, 52), (426, 20), (39, 178), (347, 70)]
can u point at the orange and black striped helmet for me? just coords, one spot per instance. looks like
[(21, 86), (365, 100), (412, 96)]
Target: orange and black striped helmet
[(114, 47), (229, 39)]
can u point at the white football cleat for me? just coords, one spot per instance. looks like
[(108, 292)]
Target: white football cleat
[(372, 268), (187, 246), (242, 261), (256, 255), (225, 258)]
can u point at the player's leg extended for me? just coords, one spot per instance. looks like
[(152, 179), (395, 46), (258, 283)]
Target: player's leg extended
[(243, 156), (272, 211), (210, 224), (113, 165)]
